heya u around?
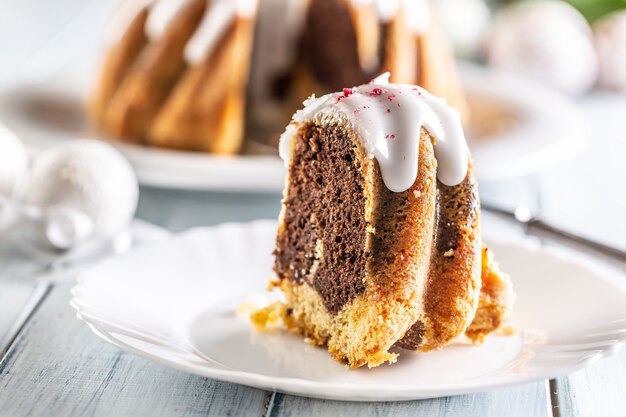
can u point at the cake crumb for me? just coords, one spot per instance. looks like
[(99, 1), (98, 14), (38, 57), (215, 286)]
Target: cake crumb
[(273, 283), (268, 318), (508, 330), (379, 358), (264, 313), (449, 253), (417, 193)]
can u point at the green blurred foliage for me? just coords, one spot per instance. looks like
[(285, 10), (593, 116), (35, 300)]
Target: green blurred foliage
[(591, 9), (595, 9)]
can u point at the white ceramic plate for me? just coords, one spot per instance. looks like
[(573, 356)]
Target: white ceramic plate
[(518, 128), (175, 304)]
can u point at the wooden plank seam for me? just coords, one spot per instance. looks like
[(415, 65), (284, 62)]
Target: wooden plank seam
[(40, 292)]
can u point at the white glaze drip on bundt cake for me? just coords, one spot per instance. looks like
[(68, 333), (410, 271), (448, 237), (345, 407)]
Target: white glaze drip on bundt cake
[(365, 267), (214, 24), (162, 13), (215, 21), (388, 119), (417, 11)]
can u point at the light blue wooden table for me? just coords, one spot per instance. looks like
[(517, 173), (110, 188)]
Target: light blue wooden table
[(52, 365)]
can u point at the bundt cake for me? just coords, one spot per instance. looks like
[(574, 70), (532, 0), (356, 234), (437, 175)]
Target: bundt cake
[(202, 74), (378, 244)]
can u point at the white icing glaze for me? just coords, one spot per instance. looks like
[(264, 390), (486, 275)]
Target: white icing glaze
[(387, 9), (219, 16), (388, 118), (122, 18), (416, 12), (278, 27), (161, 15)]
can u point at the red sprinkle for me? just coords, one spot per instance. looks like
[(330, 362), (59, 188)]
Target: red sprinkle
[(398, 104), (388, 110), (391, 97), (347, 92), (390, 136), (376, 92)]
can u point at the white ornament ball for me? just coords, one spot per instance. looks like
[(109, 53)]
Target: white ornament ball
[(465, 22), (89, 176), (610, 37), (549, 41), (13, 162)]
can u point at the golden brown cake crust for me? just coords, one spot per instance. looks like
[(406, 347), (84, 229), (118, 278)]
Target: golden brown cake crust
[(205, 111), (496, 299), (148, 82), (118, 61), (453, 285)]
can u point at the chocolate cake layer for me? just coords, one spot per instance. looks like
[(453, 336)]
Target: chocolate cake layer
[(325, 229), (331, 46), (412, 339)]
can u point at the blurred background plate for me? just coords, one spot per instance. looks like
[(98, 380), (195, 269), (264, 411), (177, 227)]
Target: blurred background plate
[(517, 128)]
